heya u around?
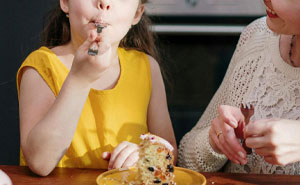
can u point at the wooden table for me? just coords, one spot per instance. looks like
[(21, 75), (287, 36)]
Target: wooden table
[(66, 176)]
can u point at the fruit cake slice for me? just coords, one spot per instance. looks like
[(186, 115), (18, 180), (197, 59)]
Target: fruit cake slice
[(155, 166)]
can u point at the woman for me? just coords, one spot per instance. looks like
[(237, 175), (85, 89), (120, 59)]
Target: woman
[(264, 72)]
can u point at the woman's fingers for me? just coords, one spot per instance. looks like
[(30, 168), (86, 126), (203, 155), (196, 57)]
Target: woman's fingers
[(258, 142), (270, 140), (227, 142), (282, 159), (257, 128), (264, 152), (230, 115), (229, 148), (234, 145), (271, 160), (222, 149)]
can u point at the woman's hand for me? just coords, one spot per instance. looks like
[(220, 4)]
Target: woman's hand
[(222, 135), (277, 140), (124, 155), (87, 68)]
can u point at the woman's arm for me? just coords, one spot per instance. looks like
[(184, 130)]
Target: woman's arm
[(195, 151), (159, 122)]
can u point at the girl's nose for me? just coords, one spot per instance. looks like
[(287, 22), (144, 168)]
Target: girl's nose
[(104, 4)]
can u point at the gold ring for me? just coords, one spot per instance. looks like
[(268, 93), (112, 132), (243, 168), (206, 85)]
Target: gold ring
[(219, 133)]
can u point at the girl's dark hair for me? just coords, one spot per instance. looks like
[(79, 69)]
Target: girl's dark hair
[(56, 32), (56, 29)]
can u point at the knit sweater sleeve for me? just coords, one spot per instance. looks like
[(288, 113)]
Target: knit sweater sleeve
[(195, 151)]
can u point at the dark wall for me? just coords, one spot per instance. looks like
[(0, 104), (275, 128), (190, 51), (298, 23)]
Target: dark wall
[(21, 25)]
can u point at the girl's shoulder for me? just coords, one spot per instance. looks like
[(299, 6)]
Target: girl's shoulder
[(139, 60), (141, 56), (131, 53), (133, 57), (42, 51), (39, 56), (44, 61)]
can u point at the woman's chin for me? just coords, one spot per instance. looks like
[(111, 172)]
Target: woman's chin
[(274, 27)]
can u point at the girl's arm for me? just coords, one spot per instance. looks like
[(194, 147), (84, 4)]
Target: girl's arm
[(159, 122), (47, 124)]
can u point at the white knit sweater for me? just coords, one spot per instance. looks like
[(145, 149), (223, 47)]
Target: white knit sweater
[(256, 75)]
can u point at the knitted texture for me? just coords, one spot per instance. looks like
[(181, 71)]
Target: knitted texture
[(256, 75)]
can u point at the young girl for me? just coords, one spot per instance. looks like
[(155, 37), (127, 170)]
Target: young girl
[(264, 72), (77, 107)]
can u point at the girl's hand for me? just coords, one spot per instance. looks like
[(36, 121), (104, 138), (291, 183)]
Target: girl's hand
[(277, 140), (124, 155), (87, 68), (222, 136)]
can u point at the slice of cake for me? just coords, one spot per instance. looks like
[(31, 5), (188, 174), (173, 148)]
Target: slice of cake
[(155, 166)]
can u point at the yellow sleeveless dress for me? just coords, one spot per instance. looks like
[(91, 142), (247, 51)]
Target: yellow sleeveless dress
[(109, 116)]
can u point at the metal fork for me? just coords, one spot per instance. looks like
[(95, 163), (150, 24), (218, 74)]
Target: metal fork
[(93, 50), (248, 111)]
